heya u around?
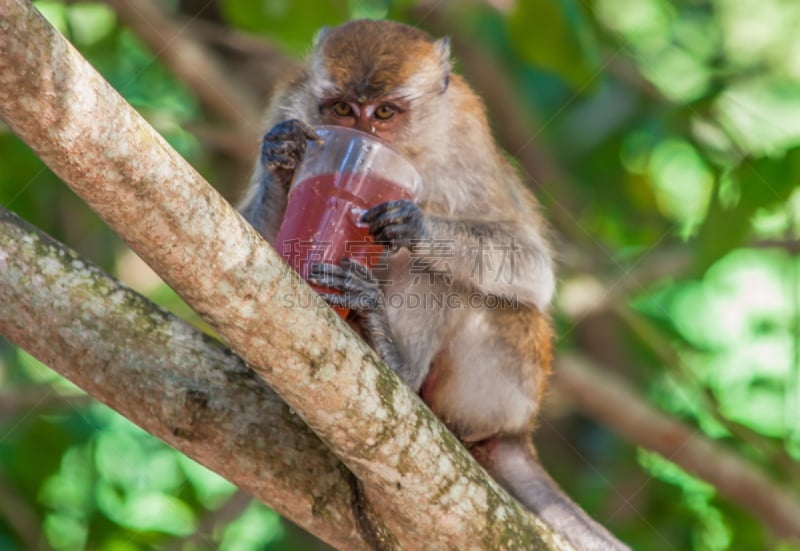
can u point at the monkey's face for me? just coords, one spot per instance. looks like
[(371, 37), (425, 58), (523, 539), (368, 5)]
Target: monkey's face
[(373, 76)]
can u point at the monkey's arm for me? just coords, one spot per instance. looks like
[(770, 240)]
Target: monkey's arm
[(281, 151), (505, 258)]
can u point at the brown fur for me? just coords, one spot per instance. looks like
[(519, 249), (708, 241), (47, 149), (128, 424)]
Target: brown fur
[(482, 368), (362, 57)]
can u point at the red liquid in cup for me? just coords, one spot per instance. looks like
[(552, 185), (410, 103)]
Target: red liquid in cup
[(322, 224)]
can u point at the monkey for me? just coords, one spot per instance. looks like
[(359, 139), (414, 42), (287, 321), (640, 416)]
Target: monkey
[(480, 359)]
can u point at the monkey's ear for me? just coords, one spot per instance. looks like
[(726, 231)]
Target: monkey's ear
[(442, 49)]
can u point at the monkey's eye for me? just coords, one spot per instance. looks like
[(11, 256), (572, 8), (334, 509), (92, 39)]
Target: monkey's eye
[(342, 109), (384, 112)]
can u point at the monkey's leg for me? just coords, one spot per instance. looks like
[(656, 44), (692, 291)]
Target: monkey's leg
[(361, 293)]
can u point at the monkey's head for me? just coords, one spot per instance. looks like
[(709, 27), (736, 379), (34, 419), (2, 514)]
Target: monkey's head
[(375, 75)]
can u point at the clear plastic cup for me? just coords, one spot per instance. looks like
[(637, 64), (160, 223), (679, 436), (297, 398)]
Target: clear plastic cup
[(339, 179)]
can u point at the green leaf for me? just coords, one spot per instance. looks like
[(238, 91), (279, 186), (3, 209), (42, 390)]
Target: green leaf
[(553, 35), (159, 512), (760, 183), (253, 530), (90, 22), (294, 23), (762, 115)]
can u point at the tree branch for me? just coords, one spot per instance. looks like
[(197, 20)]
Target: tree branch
[(42, 398), (21, 518), (189, 60), (605, 398), (428, 488), (168, 378)]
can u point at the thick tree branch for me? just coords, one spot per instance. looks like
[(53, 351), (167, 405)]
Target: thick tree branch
[(427, 485), (168, 378)]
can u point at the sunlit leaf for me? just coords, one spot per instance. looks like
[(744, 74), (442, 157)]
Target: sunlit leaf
[(759, 183), (553, 35), (90, 22), (54, 12), (369, 9), (711, 532), (254, 529), (294, 23), (645, 24), (680, 75), (761, 115), (70, 489), (159, 512), (65, 532), (682, 182)]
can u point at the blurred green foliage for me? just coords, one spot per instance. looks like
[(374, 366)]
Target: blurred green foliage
[(677, 125)]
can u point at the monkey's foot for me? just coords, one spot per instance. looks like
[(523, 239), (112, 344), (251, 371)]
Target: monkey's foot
[(396, 224), (360, 292)]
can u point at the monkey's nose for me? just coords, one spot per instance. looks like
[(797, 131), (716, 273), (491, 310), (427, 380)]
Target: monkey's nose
[(363, 124)]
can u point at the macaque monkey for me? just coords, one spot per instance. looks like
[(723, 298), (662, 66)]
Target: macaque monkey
[(472, 248)]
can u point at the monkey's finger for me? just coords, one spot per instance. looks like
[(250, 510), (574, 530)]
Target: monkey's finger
[(356, 268), (336, 281), (400, 235), (325, 268), (359, 302), (309, 133), (347, 267), (282, 149), (399, 205), (346, 283), (292, 129), (328, 275), (380, 225)]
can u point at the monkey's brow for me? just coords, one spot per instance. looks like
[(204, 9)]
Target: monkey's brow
[(405, 94), (399, 93)]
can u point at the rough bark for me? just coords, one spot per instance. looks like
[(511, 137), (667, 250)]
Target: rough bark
[(425, 484), (169, 378)]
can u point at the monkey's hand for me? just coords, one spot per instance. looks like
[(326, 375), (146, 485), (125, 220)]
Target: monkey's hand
[(283, 149), (361, 293), (397, 224)]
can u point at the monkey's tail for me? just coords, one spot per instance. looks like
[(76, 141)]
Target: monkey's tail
[(512, 462)]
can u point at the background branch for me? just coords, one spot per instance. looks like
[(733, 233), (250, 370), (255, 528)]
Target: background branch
[(604, 397), (41, 399), (190, 61)]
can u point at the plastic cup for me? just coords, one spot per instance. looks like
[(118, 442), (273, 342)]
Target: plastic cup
[(339, 179)]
